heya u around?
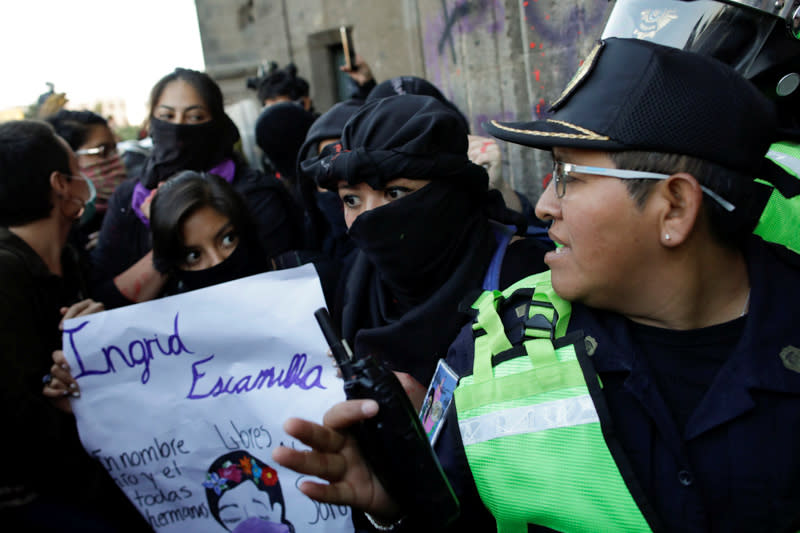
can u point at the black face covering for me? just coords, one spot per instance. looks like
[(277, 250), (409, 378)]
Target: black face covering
[(415, 242), (244, 261), (179, 147), (330, 205)]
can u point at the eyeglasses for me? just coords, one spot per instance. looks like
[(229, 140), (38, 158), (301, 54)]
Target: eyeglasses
[(562, 171), (104, 150)]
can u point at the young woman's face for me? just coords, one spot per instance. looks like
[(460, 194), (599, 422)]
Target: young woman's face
[(605, 237), (208, 239), (180, 103), (360, 198)]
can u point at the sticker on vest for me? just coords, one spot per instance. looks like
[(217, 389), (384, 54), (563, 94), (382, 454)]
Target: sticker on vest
[(438, 400)]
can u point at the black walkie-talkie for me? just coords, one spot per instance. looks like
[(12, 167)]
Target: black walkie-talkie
[(393, 442)]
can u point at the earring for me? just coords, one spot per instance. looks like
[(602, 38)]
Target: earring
[(667, 237)]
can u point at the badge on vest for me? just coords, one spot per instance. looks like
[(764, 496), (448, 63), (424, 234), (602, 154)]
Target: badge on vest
[(438, 400)]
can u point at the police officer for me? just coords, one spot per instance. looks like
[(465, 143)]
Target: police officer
[(651, 379), (761, 40)]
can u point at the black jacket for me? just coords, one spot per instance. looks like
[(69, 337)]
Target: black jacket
[(44, 459)]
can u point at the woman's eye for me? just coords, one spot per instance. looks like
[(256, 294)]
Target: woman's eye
[(351, 200), (191, 257), (164, 116), (395, 193), (230, 239), (201, 117)]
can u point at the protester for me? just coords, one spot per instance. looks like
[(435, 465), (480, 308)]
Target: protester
[(42, 194), (283, 85), (90, 137), (325, 229), (190, 131), (419, 213), (203, 233), (280, 131), (657, 384)]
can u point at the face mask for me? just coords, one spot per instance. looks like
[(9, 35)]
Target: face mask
[(106, 175), (179, 147), (331, 206), (241, 263), (87, 209), (414, 241)]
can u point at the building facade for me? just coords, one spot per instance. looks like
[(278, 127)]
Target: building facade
[(495, 59)]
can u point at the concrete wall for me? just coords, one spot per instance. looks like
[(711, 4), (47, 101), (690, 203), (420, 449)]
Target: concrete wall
[(496, 59)]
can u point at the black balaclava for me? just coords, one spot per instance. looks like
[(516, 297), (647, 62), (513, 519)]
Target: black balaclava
[(330, 206), (328, 126), (280, 131), (179, 147), (325, 227), (412, 137), (246, 259), (413, 85)]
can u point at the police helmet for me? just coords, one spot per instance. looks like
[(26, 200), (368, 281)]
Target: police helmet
[(759, 38)]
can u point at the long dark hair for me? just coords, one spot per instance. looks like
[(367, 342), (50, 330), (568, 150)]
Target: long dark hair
[(181, 196)]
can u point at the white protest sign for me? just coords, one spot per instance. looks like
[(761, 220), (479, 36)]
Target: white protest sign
[(183, 400)]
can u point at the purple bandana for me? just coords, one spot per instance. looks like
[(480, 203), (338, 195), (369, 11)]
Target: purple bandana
[(225, 170)]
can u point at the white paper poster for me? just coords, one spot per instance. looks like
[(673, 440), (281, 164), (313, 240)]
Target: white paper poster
[(183, 400)]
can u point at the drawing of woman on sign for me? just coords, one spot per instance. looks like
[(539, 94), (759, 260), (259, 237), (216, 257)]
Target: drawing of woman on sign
[(242, 507)]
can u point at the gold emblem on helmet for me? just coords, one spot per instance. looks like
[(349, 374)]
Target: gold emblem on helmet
[(652, 21)]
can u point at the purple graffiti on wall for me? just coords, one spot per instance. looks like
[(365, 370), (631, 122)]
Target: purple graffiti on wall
[(567, 32), (461, 17)]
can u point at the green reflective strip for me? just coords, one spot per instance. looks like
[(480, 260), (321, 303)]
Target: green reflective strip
[(482, 366), (494, 341), (563, 478), (541, 352), (519, 385)]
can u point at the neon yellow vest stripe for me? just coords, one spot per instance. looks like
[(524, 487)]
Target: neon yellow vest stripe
[(780, 220), (530, 428)]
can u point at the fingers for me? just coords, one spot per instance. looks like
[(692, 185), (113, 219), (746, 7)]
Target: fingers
[(328, 466), (334, 493), (84, 307), (319, 438), (345, 414), (61, 383)]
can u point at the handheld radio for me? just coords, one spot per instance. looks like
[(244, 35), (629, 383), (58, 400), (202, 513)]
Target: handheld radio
[(393, 442)]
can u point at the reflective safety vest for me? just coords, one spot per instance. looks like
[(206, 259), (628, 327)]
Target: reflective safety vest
[(530, 425), (780, 220)]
